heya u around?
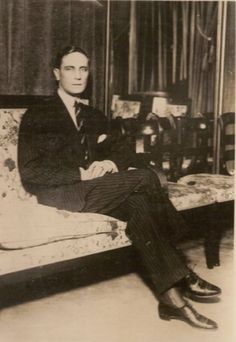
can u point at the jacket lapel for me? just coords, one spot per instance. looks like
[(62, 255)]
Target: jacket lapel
[(64, 118)]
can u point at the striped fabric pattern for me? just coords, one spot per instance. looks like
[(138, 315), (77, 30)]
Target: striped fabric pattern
[(152, 222)]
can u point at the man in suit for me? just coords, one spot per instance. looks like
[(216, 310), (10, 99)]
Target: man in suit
[(68, 159)]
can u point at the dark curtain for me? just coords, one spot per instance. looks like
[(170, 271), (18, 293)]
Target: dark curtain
[(32, 31), (153, 45), (119, 67), (229, 71), (202, 65), (175, 50)]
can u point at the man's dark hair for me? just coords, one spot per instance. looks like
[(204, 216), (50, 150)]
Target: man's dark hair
[(66, 51)]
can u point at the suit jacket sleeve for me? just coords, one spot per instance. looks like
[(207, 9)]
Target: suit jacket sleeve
[(118, 148), (39, 158), (114, 147)]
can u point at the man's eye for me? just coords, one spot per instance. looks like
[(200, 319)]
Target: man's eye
[(69, 68), (85, 69)]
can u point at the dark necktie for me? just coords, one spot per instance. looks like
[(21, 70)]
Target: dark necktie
[(85, 141), (78, 107)]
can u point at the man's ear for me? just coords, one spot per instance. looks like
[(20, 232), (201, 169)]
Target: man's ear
[(56, 72)]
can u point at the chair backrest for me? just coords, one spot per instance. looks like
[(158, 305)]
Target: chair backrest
[(228, 142)]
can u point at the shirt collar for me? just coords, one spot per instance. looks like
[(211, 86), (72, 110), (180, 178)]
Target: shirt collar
[(68, 100)]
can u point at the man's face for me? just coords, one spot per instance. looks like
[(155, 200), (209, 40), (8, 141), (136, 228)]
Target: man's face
[(73, 73)]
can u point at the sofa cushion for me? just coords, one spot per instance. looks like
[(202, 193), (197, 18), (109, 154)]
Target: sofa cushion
[(58, 251), (30, 224)]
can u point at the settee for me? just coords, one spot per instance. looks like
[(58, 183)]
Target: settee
[(33, 236)]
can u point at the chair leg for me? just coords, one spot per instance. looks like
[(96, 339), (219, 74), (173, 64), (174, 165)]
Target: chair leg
[(212, 246), (212, 236)]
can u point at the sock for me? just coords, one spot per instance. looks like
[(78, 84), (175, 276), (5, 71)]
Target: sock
[(172, 297)]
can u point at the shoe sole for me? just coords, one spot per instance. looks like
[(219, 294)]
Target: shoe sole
[(190, 295), (169, 318)]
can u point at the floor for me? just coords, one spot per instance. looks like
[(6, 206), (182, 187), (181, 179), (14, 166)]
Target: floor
[(122, 309)]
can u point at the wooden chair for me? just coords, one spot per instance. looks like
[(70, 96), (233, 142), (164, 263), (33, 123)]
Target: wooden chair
[(228, 142)]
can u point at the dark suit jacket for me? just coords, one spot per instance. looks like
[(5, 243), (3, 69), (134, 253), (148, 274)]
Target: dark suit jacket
[(50, 148)]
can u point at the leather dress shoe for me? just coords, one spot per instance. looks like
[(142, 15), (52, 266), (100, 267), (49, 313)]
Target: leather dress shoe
[(187, 314), (194, 286)]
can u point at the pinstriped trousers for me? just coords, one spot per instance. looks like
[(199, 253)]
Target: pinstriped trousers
[(153, 224)]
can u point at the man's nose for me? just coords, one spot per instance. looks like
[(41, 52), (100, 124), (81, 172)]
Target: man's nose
[(78, 74)]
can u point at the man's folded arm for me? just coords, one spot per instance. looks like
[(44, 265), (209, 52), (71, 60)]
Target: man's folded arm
[(118, 150)]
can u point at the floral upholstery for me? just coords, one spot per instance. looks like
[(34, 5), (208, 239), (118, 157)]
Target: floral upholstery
[(10, 184), (221, 186), (24, 223), (187, 197)]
